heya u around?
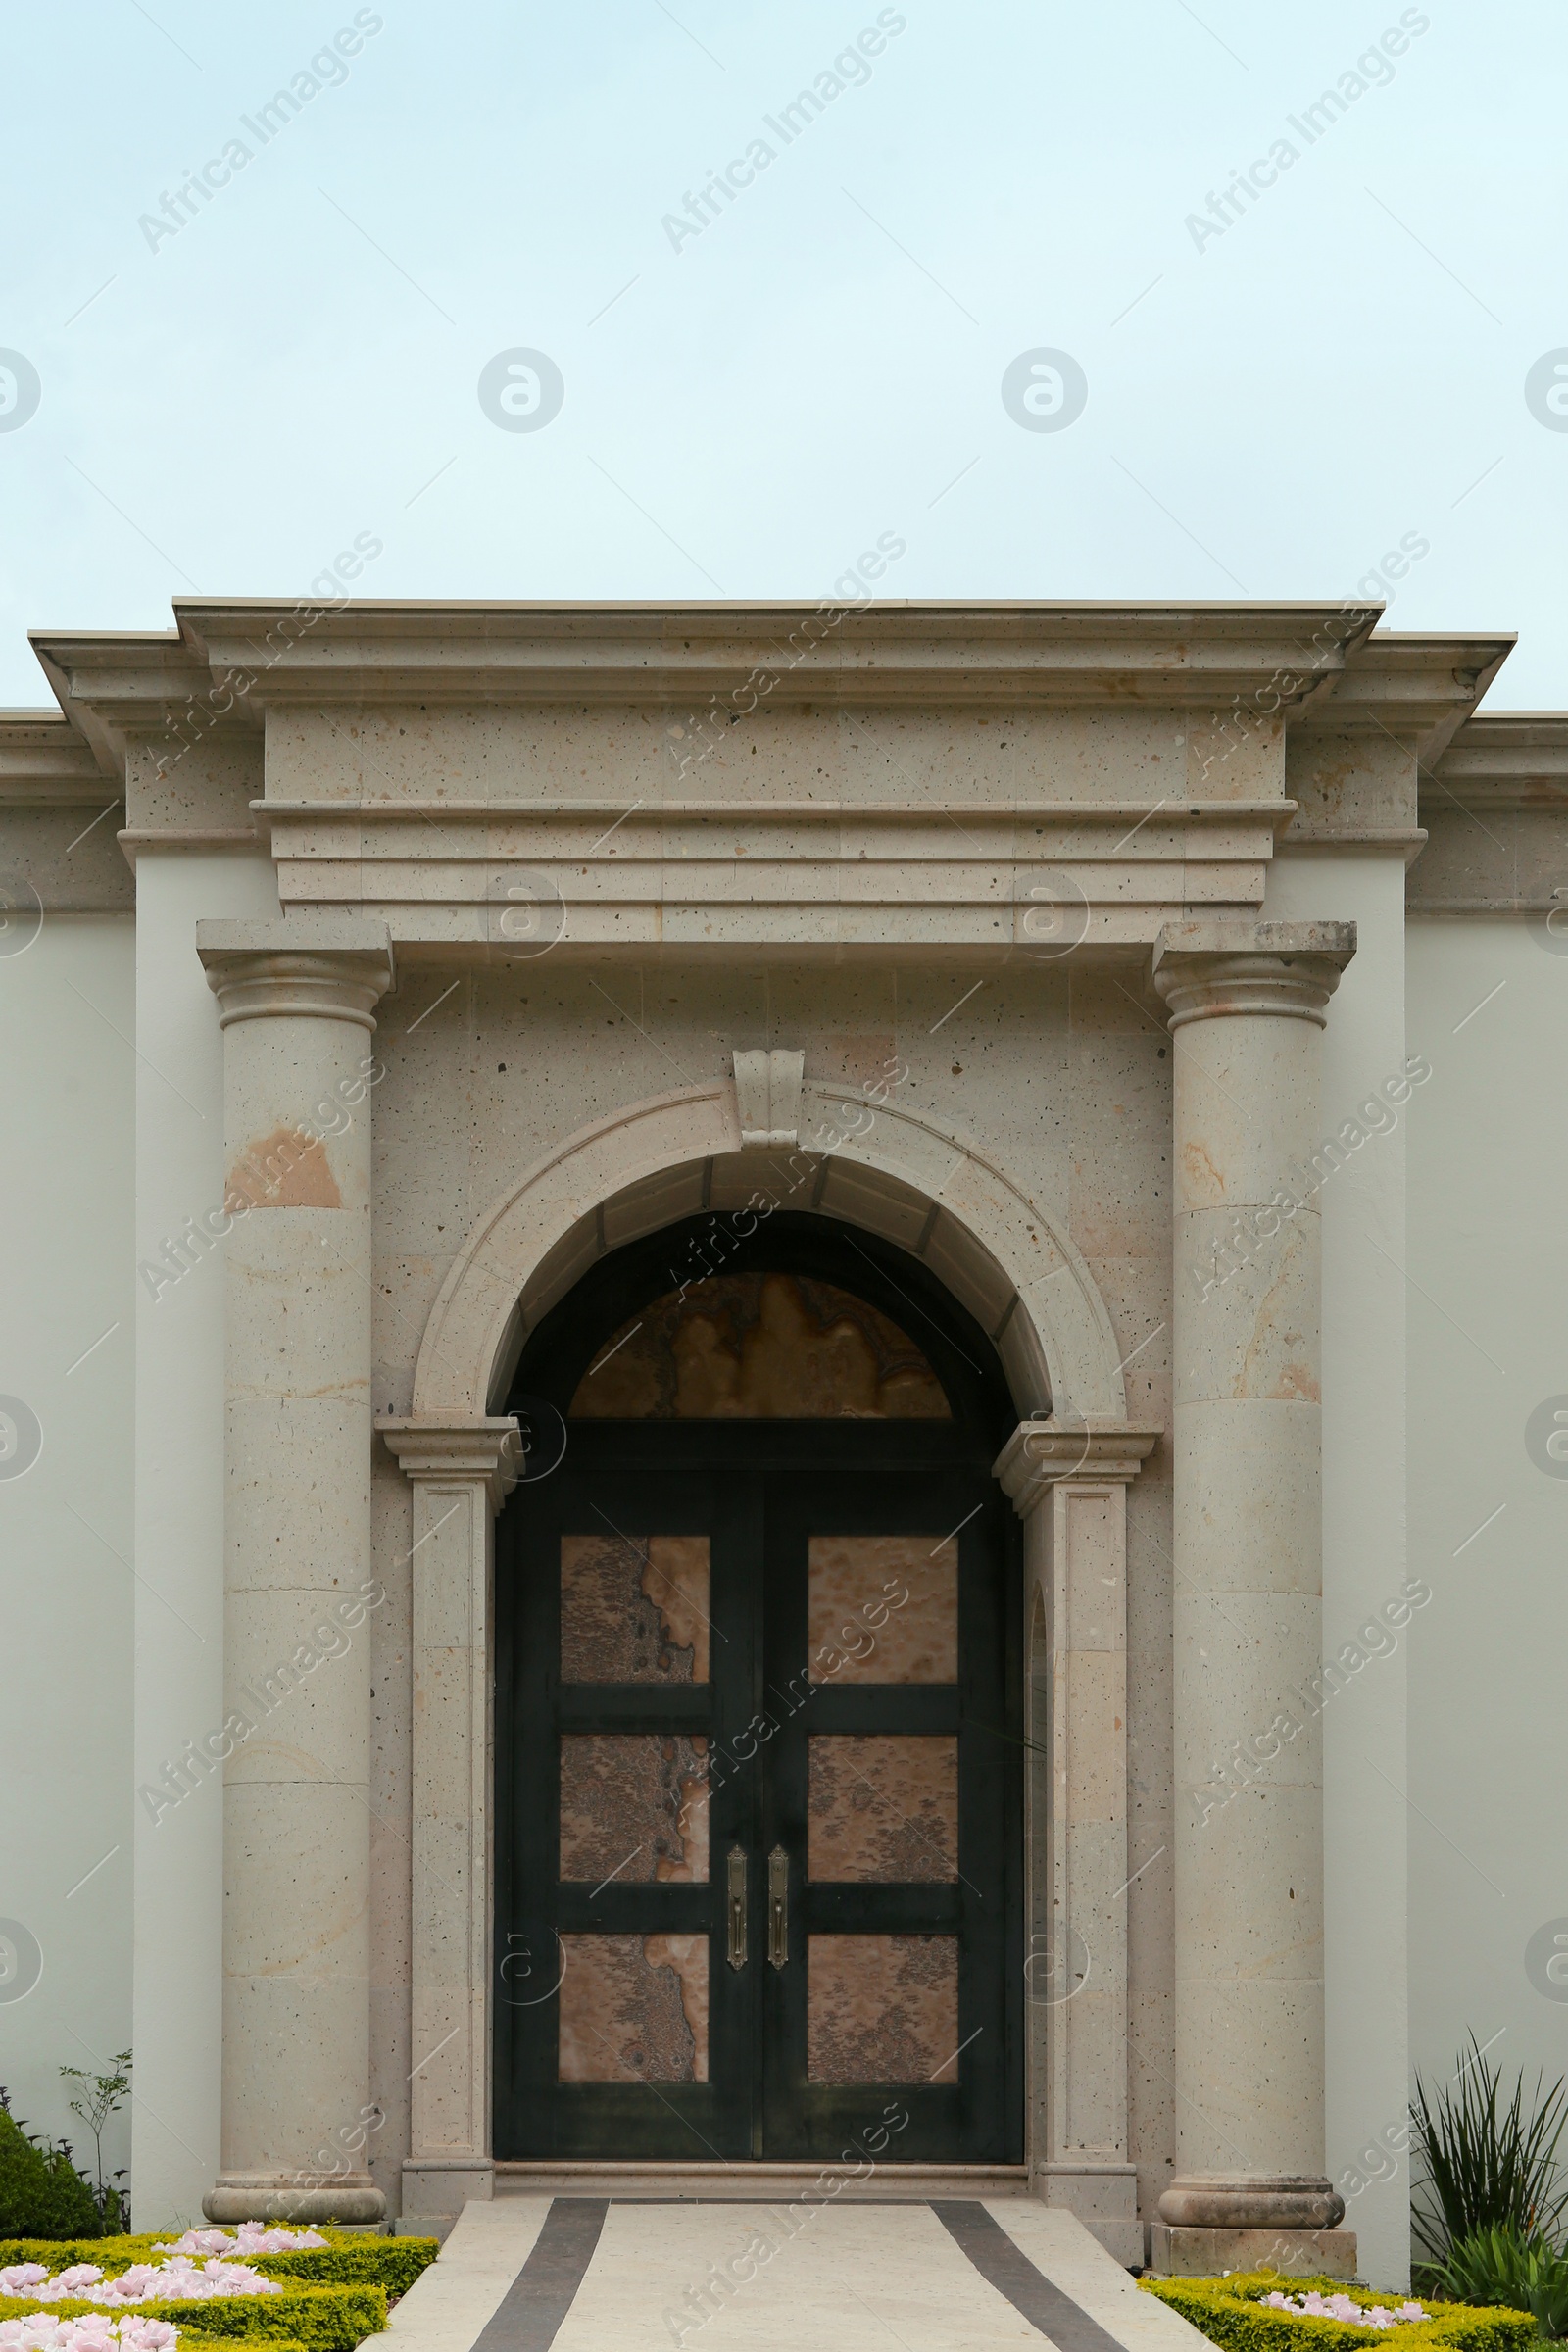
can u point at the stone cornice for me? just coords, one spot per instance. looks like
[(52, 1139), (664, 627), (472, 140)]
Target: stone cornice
[(1495, 809), (333, 968), (447, 1451), (119, 689), (1514, 760), (1206, 970), (1418, 687), (47, 763), (1041, 1455), (886, 653)]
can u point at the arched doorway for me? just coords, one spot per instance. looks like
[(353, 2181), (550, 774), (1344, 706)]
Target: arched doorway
[(758, 1786)]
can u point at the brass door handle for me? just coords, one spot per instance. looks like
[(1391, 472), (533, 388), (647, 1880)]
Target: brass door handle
[(778, 1908), (735, 1905)]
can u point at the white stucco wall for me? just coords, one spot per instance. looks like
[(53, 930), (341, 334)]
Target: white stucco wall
[(67, 1323), (1364, 1764), (1489, 1331), (179, 1527)]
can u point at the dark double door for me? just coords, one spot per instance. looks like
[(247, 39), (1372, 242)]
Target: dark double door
[(758, 1799)]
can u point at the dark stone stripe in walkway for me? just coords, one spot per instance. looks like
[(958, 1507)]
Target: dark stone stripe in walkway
[(529, 2314), (1005, 2267)]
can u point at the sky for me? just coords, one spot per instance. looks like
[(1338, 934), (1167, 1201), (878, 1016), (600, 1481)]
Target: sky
[(462, 314)]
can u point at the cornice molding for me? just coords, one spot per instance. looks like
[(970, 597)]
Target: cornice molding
[(488, 1452), (1419, 687), (991, 653), (45, 762), (1045, 1453), (1513, 759)]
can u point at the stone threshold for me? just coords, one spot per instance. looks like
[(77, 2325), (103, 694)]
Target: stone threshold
[(752, 2182)]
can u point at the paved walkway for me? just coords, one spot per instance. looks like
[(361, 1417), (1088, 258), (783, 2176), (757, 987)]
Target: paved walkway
[(587, 2274)]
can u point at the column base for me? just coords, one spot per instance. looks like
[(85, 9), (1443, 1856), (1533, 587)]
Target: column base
[(436, 2188), (1105, 2199), (284, 2197), (1179, 2251), (1251, 2201)]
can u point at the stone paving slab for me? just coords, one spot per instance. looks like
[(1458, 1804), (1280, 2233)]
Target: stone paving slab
[(591, 2274)]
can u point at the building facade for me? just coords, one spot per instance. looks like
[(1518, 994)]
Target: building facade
[(783, 1392)]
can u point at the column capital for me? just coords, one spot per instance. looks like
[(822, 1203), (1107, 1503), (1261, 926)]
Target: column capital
[(1206, 969), (486, 1452), (1045, 1453), (333, 967)]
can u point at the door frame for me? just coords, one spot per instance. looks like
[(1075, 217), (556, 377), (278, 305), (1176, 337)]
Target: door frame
[(566, 1342), (458, 1451)]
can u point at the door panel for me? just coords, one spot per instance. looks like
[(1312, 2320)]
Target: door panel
[(892, 1791), (759, 1811), (626, 1655)]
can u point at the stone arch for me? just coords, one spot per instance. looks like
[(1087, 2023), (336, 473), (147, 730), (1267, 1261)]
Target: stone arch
[(905, 1176)]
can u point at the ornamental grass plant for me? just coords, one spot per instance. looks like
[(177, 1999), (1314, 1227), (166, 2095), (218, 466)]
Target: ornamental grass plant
[(1489, 2213), (1489, 2166)]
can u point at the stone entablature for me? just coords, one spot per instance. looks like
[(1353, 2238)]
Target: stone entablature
[(784, 778)]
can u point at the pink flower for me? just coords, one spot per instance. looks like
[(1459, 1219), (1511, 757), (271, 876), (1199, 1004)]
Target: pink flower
[(1313, 2305)]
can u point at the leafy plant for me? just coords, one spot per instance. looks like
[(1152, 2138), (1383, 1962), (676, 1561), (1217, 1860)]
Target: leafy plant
[(1489, 2166), (41, 2192), (98, 2098), (1494, 2266)]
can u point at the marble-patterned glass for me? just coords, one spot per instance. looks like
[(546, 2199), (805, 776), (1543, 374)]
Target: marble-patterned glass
[(883, 1808), (759, 1346), (634, 1608), (634, 1807), (882, 2008), (633, 2009), (883, 1609)]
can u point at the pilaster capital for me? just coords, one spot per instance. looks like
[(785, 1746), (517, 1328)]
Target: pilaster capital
[(1046, 1453), (1206, 969), (329, 967), (487, 1452)]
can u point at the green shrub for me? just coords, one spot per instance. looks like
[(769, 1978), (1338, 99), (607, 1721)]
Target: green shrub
[(41, 2192), (1494, 2266), (1231, 2312), (319, 2319), (390, 2262)]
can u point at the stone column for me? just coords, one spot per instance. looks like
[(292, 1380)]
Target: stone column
[(462, 1472), (296, 1002), (1247, 1009), (1068, 1483)]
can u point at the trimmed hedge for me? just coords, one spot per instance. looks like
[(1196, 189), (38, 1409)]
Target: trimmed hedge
[(319, 2319), (1231, 2312), (352, 2259), (390, 2262), (112, 2254), (192, 2340)]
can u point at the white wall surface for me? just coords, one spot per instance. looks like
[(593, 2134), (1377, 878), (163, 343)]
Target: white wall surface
[(1364, 1321), (179, 1526), (66, 1322), (1488, 1330)]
